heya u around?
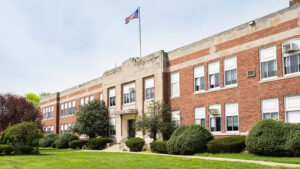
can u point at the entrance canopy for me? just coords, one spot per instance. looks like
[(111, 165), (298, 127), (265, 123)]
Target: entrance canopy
[(127, 111)]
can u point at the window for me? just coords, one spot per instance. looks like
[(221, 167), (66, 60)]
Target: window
[(270, 108), (292, 108), (176, 117), (44, 117), (200, 116), (81, 103), (129, 93), (112, 130), (215, 118), (268, 67), (291, 58), (62, 110), (175, 90), (48, 114), (66, 128), (86, 100), (61, 129), (213, 75), (112, 97), (91, 98), (52, 111), (66, 109), (149, 88), (51, 129), (101, 96), (73, 107), (230, 75), (232, 117), (70, 108), (198, 78)]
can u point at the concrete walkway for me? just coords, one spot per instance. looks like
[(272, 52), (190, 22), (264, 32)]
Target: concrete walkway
[(213, 158)]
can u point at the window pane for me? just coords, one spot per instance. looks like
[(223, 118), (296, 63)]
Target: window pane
[(272, 68), (266, 115), (264, 68), (233, 76), (197, 84), (203, 123), (236, 123), (274, 115), (217, 76), (227, 77), (197, 121), (229, 123), (294, 63), (202, 82)]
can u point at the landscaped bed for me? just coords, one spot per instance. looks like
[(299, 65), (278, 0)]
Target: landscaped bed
[(53, 158), (248, 156)]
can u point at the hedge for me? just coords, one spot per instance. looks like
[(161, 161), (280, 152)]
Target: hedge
[(135, 144), (77, 144), (6, 149), (274, 138), (188, 140), (98, 143), (159, 146), (234, 144), (63, 140), (47, 140)]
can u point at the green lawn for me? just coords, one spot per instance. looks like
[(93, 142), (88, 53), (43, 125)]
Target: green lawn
[(54, 159), (247, 156)]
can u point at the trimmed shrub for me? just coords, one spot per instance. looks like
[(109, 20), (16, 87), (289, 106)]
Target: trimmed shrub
[(189, 139), (25, 133), (135, 144), (234, 144), (77, 144), (62, 142), (98, 143), (274, 138), (26, 149), (6, 149), (47, 140), (159, 146), (53, 145)]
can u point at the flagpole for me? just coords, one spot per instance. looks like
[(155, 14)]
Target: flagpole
[(140, 34)]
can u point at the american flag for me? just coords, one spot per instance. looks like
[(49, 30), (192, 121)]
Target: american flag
[(132, 16)]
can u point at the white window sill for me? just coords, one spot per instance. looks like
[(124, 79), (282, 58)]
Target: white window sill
[(233, 132), (149, 100), (288, 76), (229, 133), (231, 86), (47, 119), (216, 89), (128, 104), (174, 97), (213, 89), (111, 107), (66, 116)]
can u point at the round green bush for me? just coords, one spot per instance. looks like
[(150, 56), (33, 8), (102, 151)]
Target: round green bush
[(234, 144), (6, 149), (274, 138), (63, 141), (77, 144), (53, 145), (135, 144), (98, 143), (47, 140), (159, 146), (189, 139), (25, 133)]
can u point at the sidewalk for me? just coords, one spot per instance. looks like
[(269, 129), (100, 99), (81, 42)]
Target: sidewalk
[(213, 158)]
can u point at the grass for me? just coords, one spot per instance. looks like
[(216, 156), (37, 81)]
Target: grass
[(248, 156), (52, 158)]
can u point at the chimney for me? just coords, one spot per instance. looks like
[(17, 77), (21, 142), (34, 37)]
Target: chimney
[(293, 2)]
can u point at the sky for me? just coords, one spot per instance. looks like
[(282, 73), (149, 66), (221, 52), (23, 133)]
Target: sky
[(53, 45)]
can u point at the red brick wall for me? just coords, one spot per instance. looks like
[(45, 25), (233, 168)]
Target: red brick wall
[(248, 94)]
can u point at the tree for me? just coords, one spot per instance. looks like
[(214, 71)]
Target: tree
[(92, 120), (15, 109), (157, 119), (43, 94), (34, 99)]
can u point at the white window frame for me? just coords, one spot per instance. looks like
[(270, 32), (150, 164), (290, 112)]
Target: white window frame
[(261, 60), (175, 118), (289, 108), (174, 81), (91, 98), (73, 107), (200, 116), (112, 122), (230, 68), (199, 72), (66, 110), (213, 72), (229, 112), (127, 90), (297, 41), (111, 94), (149, 84), (275, 108), (218, 107), (86, 100)]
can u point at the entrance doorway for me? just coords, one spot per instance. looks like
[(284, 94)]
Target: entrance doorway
[(131, 130)]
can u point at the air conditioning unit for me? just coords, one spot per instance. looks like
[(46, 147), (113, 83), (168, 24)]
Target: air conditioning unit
[(251, 73), (290, 47), (213, 112)]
